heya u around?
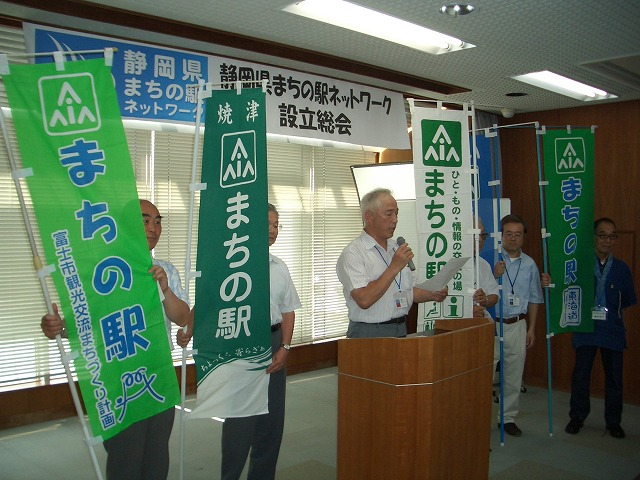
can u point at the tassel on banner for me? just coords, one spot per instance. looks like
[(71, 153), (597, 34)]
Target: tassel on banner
[(58, 58), (488, 133), (108, 56), (4, 64), (21, 173)]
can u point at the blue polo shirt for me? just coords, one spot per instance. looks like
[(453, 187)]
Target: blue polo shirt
[(620, 294)]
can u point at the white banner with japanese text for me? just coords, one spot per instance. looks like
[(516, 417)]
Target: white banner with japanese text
[(441, 159)]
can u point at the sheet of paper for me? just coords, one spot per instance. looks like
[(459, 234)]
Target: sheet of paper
[(444, 276)]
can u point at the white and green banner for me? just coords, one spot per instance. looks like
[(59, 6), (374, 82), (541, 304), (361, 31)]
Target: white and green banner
[(568, 168), (441, 159), (232, 321), (84, 195)]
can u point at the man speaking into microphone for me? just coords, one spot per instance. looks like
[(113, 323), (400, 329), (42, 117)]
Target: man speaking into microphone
[(376, 273)]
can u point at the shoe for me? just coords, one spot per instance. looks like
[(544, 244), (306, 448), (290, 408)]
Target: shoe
[(573, 426), (512, 429), (616, 431)]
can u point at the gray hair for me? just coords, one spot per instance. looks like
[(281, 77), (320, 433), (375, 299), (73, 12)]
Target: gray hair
[(371, 201), (271, 208)]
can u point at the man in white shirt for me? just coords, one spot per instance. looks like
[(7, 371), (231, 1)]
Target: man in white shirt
[(378, 286)]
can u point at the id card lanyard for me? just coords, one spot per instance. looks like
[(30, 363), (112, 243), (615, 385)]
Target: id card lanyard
[(400, 300), (599, 311), (397, 282), (512, 282)]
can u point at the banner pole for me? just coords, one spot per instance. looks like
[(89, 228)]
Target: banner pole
[(37, 263), (545, 266), (188, 273), (498, 237), (475, 176)]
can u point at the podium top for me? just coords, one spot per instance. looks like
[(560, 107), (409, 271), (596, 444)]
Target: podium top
[(456, 347)]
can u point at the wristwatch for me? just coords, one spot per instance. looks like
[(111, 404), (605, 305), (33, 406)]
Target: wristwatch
[(286, 346)]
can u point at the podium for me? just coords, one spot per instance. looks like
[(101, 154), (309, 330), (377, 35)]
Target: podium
[(416, 407)]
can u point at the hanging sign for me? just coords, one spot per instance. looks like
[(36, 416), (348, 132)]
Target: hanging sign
[(568, 168), (441, 159), (84, 195), (232, 322)]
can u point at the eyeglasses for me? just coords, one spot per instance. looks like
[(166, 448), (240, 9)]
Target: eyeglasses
[(512, 235), (604, 236), (275, 226)]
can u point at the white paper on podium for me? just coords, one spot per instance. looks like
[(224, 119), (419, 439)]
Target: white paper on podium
[(444, 276)]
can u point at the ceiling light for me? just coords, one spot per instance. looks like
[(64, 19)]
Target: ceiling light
[(359, 19), (564, 86), (457, 9)]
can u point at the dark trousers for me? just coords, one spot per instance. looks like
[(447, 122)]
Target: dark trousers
[(260, 434), (580, 383), (141, 451)]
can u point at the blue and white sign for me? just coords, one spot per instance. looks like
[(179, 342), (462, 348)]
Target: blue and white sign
[(152, 83)]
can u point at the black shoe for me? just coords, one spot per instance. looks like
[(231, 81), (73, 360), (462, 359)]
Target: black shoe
[(573, 426), (512, 429), (616, 431)]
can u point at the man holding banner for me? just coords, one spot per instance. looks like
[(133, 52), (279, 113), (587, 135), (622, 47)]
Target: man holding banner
[(376, 275), (141, 451), (520, 311), (262, 434), (614, 292)]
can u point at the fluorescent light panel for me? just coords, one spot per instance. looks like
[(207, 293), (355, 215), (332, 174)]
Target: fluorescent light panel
[(363, 20), (564, 86)]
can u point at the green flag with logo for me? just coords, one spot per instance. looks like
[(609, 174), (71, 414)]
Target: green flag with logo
[(81, 181), (568, 168), (232, 315)]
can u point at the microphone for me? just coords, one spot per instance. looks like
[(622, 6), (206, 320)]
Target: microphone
[(400, 241)]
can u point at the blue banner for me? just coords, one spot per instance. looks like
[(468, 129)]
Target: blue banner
[(152, 83)]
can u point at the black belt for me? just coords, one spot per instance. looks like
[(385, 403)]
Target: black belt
[(276, 327), (510, 320), (401, 319)]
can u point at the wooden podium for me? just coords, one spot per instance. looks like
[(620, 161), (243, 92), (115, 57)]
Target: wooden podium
[(416, 407)]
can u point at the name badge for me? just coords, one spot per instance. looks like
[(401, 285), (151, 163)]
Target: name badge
[(599, 313), (513, 300), (400, 300)]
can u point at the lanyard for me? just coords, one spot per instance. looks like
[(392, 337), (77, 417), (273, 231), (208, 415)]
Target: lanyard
[(516, 277), (601, 280), (398, 283)]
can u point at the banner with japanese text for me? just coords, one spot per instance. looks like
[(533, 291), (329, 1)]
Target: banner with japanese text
[(441, 159), (157, 83), (569, 171), (152, 83), (305, 105), (232, 332), (81, 181)]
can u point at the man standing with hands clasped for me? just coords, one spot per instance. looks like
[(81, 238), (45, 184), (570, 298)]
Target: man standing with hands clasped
[(613, 292), (522, 296), (378, 285), (259, 436)]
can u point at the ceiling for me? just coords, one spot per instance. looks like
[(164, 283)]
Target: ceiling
[(594, 42)]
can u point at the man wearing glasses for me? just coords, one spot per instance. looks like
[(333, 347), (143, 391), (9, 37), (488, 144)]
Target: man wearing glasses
[(522, 296), (614, 291)]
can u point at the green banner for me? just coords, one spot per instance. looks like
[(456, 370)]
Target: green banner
[(232, 316), (83, 189), (568, 167)]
